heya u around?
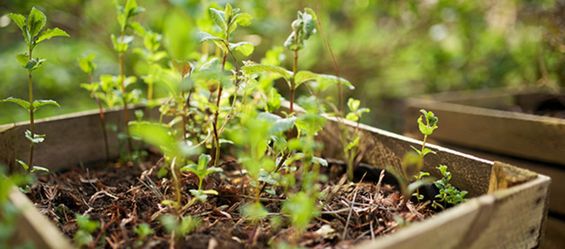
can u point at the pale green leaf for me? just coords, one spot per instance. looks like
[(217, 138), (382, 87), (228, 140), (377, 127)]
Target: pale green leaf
[(19, 20), (218, 18), (23, 103), (245, 48), (50, 33), (260, 68)]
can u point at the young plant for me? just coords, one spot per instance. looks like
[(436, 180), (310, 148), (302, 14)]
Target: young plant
[(174, 152), (34, 33), (152, 55), (88, 66), (351, 150), (201, 171), (448, 194), (86, 227), (143, 231), (121, 45), (302, 29), (179, 227), (226, 21)]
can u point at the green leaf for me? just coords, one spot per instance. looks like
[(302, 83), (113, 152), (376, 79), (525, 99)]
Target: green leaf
[(254, 211), (22, 59), (310, 123), (243, 19), (323, 81), (50, 33), (23, 103), (204, 36), (353, 104), (24, 165), (19, 20), (218, 18), (36, 169), (158, 135), (260, 68), (245, 48), (87, 64), (40, 103), (304, 76), (34, 63), (35, 21)]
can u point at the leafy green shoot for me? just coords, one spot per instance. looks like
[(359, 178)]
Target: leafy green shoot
[(33, 31), (86, 227)]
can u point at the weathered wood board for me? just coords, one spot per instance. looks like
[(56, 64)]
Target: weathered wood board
[(478, 120), (508, 209)]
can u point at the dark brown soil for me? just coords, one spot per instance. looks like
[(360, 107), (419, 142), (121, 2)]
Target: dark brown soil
[(121, 197)]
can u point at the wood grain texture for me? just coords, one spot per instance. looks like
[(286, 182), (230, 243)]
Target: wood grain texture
[(509, 217), (34, 226), (468, 121)]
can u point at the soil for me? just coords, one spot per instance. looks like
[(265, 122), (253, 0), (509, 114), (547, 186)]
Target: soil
[(124, 196)]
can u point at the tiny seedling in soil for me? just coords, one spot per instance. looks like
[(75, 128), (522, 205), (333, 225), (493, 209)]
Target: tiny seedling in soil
[(226, 165)]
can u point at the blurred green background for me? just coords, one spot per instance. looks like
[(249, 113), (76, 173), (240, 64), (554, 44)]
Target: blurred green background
[(389, 49)]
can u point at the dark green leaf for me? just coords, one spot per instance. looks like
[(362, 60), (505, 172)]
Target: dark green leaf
[(35, 21)]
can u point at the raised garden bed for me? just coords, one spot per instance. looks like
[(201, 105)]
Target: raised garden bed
[(522, 127), (507, 207)]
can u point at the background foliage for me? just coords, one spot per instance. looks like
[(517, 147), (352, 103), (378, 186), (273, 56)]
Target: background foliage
[(387, 49)]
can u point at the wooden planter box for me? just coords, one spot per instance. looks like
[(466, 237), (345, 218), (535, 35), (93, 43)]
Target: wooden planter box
[(486, 124), (507, 208)]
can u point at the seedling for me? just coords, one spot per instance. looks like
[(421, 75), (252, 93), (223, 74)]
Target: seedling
[(448, 194), (88, 66), (179, 227), (86, 227), (33, 32), (351, 150), (201, 170), (227, 22), (302, 29), (143, 231), (121, 44)]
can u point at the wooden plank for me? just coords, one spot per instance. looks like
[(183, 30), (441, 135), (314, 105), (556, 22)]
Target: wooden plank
[(557, 187), (510, 218), (510, 133), (506, 213), (71, 140), (35, 227)]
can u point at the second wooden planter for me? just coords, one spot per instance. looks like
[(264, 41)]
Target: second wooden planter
[(507, 207), (522, 127)]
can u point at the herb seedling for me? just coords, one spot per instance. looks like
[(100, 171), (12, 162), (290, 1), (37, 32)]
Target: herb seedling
[(86, 227), (351, 150), (121, 44), (448, 194), (201, 170), (88, 66), (33, 32), (226, 21), (179, 227), (143, 231)]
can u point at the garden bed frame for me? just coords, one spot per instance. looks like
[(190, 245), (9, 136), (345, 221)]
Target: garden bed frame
[(481, 123), (507, 208)]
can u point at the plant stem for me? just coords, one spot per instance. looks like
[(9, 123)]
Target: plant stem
[(121, 60), (176, 182), (31, 111), (292, 80), (216, 114), (101, 115)]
